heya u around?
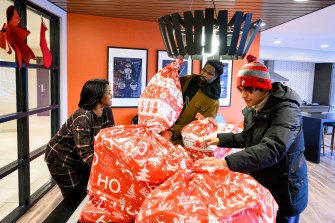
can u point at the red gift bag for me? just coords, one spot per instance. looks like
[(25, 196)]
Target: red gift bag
[(161, 102), (222, 152), (228, 128), (95, 211), (207, 193), (129, 161), (196, 132)]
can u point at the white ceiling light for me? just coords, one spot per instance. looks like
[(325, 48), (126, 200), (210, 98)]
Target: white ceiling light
[(324, 46), (215, 44), (277, 41)]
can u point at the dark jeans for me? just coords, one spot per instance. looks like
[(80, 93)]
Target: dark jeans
[(287, 219)]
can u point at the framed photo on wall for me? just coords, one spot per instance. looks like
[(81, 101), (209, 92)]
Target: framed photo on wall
[(163, 59), (127, 74), (225, 82)]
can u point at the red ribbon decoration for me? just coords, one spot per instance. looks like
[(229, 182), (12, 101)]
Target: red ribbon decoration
[(15, 37), (47, 57), (3, 37)]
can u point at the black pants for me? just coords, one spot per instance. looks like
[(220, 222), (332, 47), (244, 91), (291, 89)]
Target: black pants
[(287, 219)]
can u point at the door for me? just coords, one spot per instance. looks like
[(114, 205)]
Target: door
[(43, 90)]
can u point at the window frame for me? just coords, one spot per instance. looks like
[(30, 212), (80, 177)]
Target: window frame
[(22, 164)]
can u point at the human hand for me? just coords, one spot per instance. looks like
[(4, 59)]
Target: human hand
[(213, 161), (167, 134), (208, 142)]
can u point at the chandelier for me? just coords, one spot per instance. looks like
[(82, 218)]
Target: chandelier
[(198, 35)]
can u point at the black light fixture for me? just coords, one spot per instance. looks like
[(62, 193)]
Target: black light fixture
[(194, 34)]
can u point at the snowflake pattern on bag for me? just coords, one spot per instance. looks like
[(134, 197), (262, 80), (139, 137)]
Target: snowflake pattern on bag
[(206, 128), (206, 193), (129, 161), (161, 102)]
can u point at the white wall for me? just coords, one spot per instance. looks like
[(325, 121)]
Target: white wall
[(300, 75), (291, 54), (297, 65)]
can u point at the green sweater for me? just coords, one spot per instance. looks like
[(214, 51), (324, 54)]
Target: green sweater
[(200, 103)]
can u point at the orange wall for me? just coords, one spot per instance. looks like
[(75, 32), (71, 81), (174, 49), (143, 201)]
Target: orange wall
[(88, 38)]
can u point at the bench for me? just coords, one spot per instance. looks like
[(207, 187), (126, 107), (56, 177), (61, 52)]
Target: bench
[(66, 208)]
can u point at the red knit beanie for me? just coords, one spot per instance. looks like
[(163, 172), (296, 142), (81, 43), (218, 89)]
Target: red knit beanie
[(254, 74)]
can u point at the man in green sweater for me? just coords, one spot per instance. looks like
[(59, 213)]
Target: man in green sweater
[(201, 94)]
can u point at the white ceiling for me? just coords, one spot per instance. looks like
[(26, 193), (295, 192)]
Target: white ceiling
[(305, 33)]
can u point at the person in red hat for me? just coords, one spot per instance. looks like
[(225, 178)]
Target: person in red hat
[(273, 140)]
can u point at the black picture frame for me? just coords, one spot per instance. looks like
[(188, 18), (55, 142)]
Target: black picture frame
[(127, 74), (163, 59)]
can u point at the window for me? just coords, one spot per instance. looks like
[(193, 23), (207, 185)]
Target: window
[(29, 113)]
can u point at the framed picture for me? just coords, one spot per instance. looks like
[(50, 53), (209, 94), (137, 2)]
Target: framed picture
[(225, 82), (163, 59), (127, 74)]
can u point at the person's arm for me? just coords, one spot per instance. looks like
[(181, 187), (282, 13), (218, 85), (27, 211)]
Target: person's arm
[(83, 138), (176, 130), (231, 140), (222, 140), (213, 161), (285, 125)]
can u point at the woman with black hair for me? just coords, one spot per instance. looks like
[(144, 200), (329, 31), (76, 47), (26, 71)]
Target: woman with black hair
[(69, 153)]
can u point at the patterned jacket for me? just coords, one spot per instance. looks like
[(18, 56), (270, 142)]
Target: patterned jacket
[(74, 141)]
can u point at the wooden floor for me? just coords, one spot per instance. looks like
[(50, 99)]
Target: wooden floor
[(40, 211), (320, 209), (321, 178)]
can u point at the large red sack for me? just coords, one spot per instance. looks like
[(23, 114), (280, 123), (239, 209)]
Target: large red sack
[(195, 133), (208, 193), (161, 102), (205, 128), (129, 161), (228, 128)]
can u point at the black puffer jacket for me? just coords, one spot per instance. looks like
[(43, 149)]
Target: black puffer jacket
[(274, 153)]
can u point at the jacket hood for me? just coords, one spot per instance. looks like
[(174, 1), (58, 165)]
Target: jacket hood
[(213, 90), (285, 93)]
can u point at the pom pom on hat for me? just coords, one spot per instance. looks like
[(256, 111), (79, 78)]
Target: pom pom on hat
[(254, 74), (251, 58)]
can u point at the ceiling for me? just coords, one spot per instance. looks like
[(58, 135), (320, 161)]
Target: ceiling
[(306, 32), (297, 24)]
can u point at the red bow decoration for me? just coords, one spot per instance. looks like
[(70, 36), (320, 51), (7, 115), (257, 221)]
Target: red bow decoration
[(3, 37), (15, 37), (47, 57)]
